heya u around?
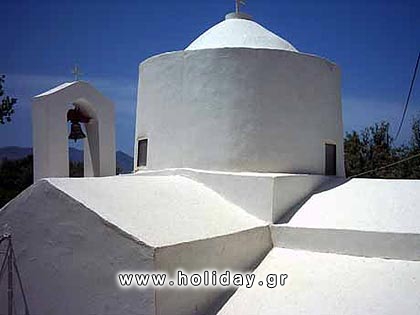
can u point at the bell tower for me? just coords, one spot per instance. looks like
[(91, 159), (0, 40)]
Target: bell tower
[(80, 104)]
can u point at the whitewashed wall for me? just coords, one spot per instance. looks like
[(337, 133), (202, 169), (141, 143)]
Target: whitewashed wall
[(240, 109), (69, 257), (50, 134), (241, 251)]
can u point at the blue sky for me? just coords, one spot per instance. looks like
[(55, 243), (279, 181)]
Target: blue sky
[(374, 42)]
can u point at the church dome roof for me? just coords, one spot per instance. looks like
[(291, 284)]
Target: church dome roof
[(238, 30)]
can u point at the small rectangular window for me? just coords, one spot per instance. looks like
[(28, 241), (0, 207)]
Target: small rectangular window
[(330, 159), (142, 152)]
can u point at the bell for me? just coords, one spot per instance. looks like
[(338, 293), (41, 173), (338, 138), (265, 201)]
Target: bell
[(76, 131), (75, 116)]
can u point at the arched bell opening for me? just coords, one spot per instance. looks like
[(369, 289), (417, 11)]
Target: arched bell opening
[(79, 111)]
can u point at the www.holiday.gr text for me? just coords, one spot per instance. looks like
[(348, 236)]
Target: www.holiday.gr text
[(202, 279)]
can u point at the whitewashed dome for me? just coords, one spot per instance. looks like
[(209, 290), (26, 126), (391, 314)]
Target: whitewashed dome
[(239, 31)]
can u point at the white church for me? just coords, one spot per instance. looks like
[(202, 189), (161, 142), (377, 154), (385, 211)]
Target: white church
[(239, 165)]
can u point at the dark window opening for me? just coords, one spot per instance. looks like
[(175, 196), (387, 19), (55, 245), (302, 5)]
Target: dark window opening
[(142, 152), (330, 159)]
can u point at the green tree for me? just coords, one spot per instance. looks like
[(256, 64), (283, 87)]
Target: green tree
[(370, 149), (15, 176), (354, 154), (414, 149), (7, 103), (415, 135), (373, 148)]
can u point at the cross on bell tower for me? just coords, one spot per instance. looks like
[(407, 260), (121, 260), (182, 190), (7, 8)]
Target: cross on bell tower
[(76, 72)]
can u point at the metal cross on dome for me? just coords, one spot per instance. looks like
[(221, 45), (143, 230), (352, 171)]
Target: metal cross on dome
[(76, 72), (238, 4)]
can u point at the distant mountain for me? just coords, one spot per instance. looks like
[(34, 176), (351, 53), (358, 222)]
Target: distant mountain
[(14, 153), (124, 161)]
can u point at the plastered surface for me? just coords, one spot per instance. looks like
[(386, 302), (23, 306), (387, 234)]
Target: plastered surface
[(159, 210), (404, 246), (240, 109), (268, 196), (239, 33), (68, 257), (50, 131), (241, 251), (321, 283), (363, 204)]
